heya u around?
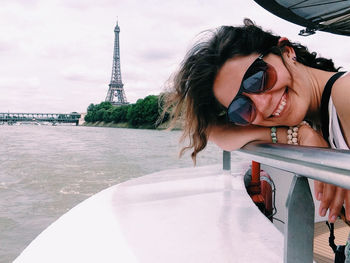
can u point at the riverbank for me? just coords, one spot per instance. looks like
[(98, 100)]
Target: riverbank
[(163, 126)]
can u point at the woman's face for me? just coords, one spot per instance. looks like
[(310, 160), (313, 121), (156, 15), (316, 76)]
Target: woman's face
[(284, 104)]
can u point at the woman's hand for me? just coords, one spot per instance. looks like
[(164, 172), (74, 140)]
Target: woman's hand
[(331, 197)]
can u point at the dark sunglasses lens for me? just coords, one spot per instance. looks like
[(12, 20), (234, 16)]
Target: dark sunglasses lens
[(241, 111), (255, 83), (259, 77)]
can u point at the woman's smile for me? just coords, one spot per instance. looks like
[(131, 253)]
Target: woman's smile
[(281, 105)]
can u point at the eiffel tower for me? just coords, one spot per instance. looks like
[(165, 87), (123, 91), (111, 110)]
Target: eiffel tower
[(116, 94)]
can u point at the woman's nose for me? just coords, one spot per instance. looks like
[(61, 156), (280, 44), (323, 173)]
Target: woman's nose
[(262, 102)]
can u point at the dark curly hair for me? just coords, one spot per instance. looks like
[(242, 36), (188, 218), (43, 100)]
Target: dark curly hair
[(191, 96)]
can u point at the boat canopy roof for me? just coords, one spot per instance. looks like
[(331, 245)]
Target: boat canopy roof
[(326, 15)]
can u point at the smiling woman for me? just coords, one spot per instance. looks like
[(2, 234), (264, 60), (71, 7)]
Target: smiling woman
[(212, 72), (241, 81)]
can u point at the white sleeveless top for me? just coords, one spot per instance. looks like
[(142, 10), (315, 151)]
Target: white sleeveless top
[(336, 138)]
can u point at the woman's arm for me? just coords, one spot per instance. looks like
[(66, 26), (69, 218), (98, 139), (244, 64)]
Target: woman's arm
[(230, 137)]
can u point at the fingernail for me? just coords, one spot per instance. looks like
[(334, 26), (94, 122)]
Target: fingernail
[(319, 196), (323, 212), (333, 218)]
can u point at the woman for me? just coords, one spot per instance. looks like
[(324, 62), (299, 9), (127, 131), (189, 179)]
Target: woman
[(242, 79)]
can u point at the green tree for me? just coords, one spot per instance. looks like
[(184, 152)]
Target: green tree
[(133, 116), (123, 111), (144, 111), (107, 115), (104, 105), (89, 116), (150, 109), (118, 114), (99, 114), (91, 107)]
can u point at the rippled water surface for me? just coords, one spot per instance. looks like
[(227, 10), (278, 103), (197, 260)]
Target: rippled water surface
[(47, 170)]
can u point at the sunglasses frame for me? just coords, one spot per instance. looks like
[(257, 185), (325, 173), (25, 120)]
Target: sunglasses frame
[(242, 89)]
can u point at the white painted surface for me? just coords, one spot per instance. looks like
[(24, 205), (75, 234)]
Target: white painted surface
[(184, 215)]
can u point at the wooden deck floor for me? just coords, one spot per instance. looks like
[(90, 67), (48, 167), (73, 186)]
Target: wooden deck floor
[(322, 251)]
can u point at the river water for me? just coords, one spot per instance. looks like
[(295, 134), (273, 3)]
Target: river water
[(46, 170)]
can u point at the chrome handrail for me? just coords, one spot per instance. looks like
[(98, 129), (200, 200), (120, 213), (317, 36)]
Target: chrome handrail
[(322, 164)]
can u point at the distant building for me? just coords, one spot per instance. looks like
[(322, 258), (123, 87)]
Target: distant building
[(116, 94)]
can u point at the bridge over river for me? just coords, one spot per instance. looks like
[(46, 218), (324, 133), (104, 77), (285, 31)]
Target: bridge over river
[(54, 118)]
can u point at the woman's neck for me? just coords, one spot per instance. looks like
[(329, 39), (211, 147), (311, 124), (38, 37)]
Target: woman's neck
[(317, 79)]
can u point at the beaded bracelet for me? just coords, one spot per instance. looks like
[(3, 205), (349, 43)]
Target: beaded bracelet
[(274, 134), (292, 133)]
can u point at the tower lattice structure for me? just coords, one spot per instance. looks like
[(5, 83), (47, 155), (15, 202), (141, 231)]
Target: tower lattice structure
[(116, 94)]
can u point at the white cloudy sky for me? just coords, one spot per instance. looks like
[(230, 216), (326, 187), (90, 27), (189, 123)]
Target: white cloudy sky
[(56, 55)]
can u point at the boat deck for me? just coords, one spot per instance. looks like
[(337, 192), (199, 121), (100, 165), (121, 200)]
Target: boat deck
[(322, 251), (197, 214)]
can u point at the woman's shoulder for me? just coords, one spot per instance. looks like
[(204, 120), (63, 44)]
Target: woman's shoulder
[(341, 100), (341, 92)]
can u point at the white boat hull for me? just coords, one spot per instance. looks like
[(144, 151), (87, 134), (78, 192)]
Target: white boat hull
[(184, 215)]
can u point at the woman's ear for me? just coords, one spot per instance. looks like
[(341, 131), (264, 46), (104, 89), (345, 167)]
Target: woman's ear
[(289, 52), (282, 41), (284, 44)]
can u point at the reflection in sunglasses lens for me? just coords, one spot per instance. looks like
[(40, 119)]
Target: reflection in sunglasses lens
[(254, 83), (240, 111)]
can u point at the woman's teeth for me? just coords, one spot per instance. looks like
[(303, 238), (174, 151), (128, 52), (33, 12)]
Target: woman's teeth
[(281, 106)]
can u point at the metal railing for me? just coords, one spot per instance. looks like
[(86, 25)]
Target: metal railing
[(322, 164), (40, 117)]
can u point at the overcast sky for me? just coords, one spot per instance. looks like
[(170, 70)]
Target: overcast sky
[(56, 55)]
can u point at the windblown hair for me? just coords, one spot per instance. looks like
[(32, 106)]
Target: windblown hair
[(191, 97)]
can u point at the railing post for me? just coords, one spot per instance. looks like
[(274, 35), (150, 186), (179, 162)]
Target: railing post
[(299, 225), (226, 160)]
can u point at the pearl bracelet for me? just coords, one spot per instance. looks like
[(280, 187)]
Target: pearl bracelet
[(292, 133)]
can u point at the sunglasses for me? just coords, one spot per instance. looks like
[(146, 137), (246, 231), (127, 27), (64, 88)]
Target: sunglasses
[(259, 77)]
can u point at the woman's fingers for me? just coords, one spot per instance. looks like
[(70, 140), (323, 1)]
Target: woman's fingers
[(336, 205), (327, 198), (318, 189), (332, 199), (347, 205)]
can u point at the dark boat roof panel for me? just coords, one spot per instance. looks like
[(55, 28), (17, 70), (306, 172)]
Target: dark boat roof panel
[(331, 16)]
